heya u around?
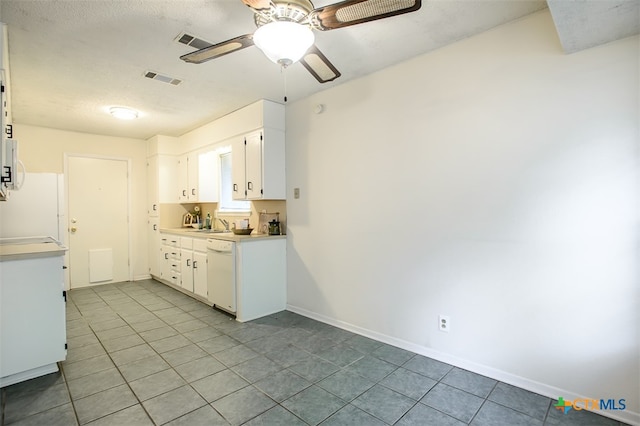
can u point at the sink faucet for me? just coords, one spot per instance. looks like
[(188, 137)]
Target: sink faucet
[(225, 223)]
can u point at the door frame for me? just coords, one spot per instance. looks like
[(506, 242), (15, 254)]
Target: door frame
[(68, 155)]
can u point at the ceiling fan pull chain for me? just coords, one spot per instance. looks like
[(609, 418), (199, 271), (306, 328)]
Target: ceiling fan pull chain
[(283, 69)]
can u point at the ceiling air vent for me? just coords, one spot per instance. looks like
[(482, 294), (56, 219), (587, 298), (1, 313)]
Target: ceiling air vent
[(165, 79), (192, 41)]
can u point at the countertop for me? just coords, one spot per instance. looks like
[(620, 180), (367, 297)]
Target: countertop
[(29, 248), (227, 236)]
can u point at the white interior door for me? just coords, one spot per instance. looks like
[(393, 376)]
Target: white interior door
[(98, 194)]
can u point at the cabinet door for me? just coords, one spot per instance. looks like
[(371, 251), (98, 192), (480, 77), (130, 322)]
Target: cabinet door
[(166, 178), (253, 165), (186, 269), (208, 177), (238, 169), (165, 262), (153, 199), (273, 165), (200, 274), (154, 246), (183, 179), (192, 177)]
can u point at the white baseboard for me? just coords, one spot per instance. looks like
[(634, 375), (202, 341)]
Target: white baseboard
[(552, 392), (142, 277)]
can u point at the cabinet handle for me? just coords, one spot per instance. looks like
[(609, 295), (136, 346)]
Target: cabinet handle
[(155, 227), (193, 191), (155, 207), (250, 186), (184, 192), (166, 256), (195, 264), (235, 187), (188, 262)]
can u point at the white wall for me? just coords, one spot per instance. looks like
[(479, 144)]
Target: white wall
[(494, 181), (42, 149)]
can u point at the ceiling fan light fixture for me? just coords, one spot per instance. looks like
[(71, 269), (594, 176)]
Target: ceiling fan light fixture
[(284, 42), (123, 113)]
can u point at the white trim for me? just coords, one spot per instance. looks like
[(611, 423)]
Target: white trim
[(68, 155), (142, 277), (552, 392)]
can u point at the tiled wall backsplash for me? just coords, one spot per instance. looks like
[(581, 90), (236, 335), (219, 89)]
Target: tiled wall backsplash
[(171, 214)]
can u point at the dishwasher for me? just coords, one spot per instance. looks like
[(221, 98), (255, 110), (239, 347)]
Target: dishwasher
[(221, 274)]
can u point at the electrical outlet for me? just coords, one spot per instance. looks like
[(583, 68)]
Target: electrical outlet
[(444, 323), (296, 192)]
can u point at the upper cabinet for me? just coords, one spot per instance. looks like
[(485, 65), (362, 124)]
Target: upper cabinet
[(161, 172), (258, 166), (6, 81), (209, 176), (198, 177)]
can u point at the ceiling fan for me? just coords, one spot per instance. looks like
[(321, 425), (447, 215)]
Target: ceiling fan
[(285, 33)]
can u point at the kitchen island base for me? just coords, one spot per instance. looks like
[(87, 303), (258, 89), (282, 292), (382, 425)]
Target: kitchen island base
[(32, 309)]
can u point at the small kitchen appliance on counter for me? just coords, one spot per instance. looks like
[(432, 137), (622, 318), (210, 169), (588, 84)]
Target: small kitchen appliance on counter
[(274, 227), (270, 223)]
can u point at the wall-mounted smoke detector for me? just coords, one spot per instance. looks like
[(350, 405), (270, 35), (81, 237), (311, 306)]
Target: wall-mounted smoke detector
[(193, 41), (123, 113), (163, 78)]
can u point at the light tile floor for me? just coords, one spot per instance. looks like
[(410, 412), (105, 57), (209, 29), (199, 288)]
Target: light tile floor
[(144, 354)]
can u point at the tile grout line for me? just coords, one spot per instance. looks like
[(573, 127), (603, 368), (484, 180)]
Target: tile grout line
[(160, 355), (115, 366)]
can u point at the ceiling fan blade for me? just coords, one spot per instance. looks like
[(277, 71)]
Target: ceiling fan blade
[(319, 66), (352, 12), (259, 5), (217, 50)]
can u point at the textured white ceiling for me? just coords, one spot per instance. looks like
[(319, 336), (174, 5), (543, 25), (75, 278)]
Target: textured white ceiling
[(71, 60)]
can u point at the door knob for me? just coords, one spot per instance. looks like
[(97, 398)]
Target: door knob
[(73, 229)]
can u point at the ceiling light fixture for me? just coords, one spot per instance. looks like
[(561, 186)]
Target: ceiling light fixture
[(123, 113), (284, 42)]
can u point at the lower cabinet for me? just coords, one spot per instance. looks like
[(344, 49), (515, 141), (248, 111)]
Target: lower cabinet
[(259, 269), (32, 329), (170, 258), (193, 265), (200, 286), (261, 278), (186, 263), (155, 245)]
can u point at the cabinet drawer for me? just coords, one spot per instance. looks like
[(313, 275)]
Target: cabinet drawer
[(172, 241), (174, 278), (186, 243), (200, 245)]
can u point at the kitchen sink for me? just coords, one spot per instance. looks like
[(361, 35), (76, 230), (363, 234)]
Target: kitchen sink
[(209, 231)]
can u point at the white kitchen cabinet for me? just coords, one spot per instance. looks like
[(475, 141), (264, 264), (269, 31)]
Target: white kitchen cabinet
[(161, 184), (200, 274), (198, 177), (32, 309), (193, 269), (258, 166), (208, 176), (154, 245), (250, 276), (186, 263), (187, 190), (170, 258)]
